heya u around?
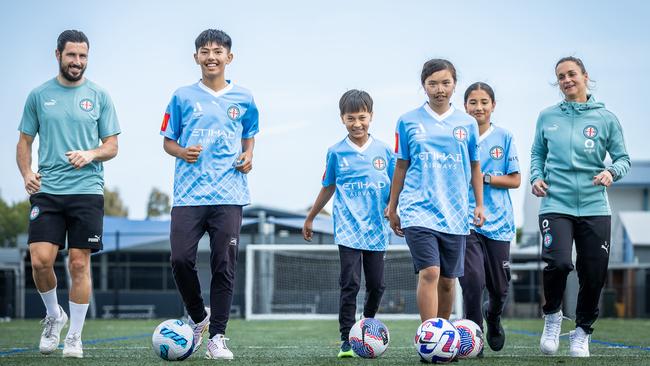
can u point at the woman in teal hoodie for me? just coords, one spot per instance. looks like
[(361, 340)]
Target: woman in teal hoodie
[(568, 172)]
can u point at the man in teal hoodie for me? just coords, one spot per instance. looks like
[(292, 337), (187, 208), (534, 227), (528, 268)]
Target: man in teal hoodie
[(569, 173)]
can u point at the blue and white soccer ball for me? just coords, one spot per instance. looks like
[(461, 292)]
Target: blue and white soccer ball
[(437, 340), (471, 338), (173, 340), (369, 338)]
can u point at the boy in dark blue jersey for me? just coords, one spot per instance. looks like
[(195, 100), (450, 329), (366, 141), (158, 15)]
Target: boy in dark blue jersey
[(209, 127)]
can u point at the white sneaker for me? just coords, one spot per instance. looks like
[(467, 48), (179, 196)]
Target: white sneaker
[(579, 343), (72, 346), (52, 332), (217, 349), (550, 340), (199, 329)]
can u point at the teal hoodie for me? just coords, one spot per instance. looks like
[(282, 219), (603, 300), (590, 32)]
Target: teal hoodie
[(571, 140)]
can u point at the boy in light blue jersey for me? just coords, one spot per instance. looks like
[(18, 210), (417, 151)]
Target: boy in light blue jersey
[(358, 173), (437, 158), (487, 253), (209, 127)]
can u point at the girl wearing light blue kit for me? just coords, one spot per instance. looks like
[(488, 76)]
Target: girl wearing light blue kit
[(437, 159), (487, 254)]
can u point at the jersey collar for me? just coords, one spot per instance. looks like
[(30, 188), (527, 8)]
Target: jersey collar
[(214, 93), (486, 134), (439, 117), (356, 147)]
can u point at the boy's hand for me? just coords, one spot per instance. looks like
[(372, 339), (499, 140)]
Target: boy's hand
[(395, 223), (479, 216), (191, 153), (307, 233), (244, 162)]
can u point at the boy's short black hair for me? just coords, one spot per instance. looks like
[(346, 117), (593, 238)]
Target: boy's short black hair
[(355, 101), (71, 35), (213, 36)]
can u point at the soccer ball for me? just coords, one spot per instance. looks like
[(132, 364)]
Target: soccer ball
[(369, 338), (173, 340), (471, 338), (437, 340)]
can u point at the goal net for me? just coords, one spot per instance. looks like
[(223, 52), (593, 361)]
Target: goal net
[(302, 282)]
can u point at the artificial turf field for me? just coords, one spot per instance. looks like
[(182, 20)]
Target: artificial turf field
[(128, 342)]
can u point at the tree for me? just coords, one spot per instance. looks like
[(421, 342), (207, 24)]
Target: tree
[(113, 205), (158, 204), (14, 220)]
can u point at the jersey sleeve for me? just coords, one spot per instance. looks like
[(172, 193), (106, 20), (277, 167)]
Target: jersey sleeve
[(329, 177), (108, 124), (538, 153), (617, 151), (401, 142), (391, 160), (512, 160), (172, 120), (250, 121), (29, 122), (472, 143)]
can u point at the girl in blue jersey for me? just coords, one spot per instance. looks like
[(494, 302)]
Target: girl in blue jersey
[(358, 171), (487, 253), (437, 157), (567, 169)]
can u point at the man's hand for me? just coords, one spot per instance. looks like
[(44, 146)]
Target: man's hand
[(80, 158), (32, 182), (479, 216), (395, 223)]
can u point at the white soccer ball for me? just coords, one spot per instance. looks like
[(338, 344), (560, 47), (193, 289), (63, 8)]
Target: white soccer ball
[(437, 340), (369, 338), (173, 340), (471, 338)]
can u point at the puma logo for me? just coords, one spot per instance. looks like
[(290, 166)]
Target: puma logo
[(605, 247)]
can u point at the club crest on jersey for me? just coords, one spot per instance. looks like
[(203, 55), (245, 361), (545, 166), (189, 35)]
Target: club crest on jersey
[(460, 133), (379, 163), (548, 240), (590, 132), (233, 112), (33, 214), (86, 105), (496, 152)]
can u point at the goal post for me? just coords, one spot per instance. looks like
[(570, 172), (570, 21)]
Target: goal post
[(301, 281)]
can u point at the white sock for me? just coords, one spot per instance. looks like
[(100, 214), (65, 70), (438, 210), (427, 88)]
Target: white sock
[(77, 318), (51, 303)]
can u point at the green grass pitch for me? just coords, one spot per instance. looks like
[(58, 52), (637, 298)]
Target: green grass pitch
[(128, 342)]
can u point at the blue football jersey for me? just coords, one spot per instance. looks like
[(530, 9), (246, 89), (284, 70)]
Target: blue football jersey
[(498, 157), (197, 115), (439, 149), (362, 176)]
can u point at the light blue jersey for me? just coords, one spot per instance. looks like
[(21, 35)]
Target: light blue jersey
[(197, 115), (498, 157), (439, 149), (362, 176), (68, 118)]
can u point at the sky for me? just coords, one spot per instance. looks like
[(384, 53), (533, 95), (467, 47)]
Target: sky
[(299, 57)]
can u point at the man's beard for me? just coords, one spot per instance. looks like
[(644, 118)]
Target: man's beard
[(69, 77)]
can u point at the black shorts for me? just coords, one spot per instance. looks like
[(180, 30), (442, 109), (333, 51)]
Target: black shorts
[(79, 216), (434, 248)]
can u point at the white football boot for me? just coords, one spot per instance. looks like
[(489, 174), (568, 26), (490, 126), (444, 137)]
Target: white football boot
[(550, 341), (217, 348), (52, 332)]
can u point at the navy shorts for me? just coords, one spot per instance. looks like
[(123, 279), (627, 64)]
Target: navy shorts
[(79, 217), (434, 248)]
